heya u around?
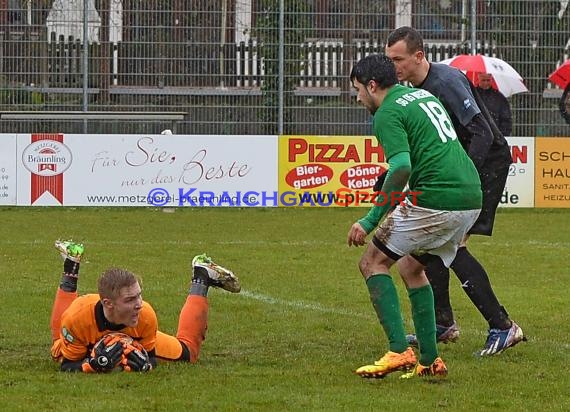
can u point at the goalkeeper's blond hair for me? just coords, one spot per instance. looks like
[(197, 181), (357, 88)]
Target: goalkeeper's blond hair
[(113, 280)]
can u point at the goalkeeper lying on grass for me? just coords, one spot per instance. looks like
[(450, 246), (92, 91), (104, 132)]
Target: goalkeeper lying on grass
[(116, 329)]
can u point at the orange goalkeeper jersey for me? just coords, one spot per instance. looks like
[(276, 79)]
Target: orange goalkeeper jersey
[(84, 323)]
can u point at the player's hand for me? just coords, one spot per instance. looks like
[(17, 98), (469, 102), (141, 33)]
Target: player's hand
[(106, 354), (136, 359), (356, 235)]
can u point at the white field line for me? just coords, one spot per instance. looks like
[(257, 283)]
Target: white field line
[(534, 243), (87, 242), (298, 304), (316, 307)]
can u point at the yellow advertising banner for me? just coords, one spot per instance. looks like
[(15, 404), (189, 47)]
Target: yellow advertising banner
[(552, 172), (328, 171)]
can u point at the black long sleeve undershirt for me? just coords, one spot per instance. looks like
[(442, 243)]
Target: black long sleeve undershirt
[(71, 366), (481, 140)]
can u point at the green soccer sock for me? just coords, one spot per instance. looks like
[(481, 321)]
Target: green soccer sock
[(387, 306), (423, 314)]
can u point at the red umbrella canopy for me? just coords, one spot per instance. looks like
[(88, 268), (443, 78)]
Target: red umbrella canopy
[(561, 76), (505, 78)]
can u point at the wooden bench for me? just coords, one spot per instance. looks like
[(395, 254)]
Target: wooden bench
[(185, 91), (153, 90)]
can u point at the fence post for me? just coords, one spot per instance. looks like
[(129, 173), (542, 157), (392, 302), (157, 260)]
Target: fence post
[(105, 52), (239, 65)]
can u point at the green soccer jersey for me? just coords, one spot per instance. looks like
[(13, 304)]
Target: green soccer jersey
[(414, 121)]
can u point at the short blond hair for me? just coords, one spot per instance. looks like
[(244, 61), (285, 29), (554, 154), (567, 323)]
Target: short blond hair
[(113, 280)]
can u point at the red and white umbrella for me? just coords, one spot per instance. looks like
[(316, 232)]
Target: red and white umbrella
[(561, 76), (505, 79)]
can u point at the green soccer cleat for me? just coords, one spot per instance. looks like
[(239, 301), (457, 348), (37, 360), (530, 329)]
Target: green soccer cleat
[(70, 250), (218, 276)]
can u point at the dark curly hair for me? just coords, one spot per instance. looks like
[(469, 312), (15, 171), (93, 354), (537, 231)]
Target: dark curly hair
[(377, 67)]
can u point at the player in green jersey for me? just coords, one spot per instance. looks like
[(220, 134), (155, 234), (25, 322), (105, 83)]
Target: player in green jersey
[(423, 151)]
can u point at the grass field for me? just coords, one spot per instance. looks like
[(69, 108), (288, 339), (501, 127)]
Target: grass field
[(303, 322)]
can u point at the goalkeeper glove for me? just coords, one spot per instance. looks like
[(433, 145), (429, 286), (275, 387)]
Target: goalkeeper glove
[(135, 359), (106, 354)]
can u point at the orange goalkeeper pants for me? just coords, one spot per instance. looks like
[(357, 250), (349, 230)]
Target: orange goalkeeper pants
[(192, 326)]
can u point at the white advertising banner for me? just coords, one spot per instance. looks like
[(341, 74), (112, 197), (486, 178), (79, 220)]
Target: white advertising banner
[(146, 170), (171, 170), (8, 170), (519, 190)]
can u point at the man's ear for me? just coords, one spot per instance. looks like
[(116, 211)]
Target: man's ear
[(108, 303), (420, 56)]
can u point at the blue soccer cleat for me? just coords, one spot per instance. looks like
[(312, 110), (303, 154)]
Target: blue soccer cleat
[(499, 340)]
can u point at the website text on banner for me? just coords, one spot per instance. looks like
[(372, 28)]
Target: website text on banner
[(342, 197)]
